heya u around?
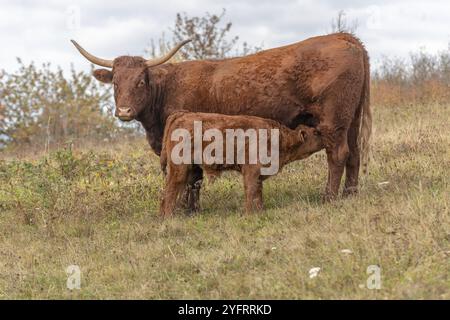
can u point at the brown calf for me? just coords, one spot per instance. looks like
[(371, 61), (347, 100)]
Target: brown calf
[(293, 145)]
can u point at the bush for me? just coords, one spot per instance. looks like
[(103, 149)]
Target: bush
[(42, 108), (420, 79)]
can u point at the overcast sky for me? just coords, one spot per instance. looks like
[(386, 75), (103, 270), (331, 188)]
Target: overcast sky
[(40, 30)]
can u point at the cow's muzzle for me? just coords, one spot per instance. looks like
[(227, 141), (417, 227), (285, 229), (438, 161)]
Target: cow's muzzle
[(125, 114)]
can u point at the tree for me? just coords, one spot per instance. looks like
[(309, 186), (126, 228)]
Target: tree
[(209, 35), (40, 106), (340, 24)]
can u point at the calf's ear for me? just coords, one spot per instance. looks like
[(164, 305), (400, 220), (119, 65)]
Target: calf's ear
[(103, 75)]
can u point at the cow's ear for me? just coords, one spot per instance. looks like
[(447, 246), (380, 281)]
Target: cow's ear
[(302, 135), (103, 75)]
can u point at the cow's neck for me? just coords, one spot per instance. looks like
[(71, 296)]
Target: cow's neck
[(151, 118)]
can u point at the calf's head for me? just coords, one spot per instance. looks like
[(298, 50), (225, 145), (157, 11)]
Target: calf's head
[(131, 79), (310, 141)]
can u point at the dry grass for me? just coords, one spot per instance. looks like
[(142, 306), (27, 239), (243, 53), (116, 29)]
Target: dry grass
[(398, 94), (98, 210)]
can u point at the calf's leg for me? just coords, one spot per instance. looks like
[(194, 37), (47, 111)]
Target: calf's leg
[(176, 180), (253, 188)]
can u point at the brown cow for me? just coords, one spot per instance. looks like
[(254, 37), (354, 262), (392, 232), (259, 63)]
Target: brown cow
[(292, 145), (321, 82)]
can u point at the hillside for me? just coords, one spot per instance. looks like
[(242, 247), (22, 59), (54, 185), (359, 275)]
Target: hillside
[(97, 208)]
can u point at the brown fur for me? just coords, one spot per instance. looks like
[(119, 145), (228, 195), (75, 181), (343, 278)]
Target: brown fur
[(321, 82), (293, 145)]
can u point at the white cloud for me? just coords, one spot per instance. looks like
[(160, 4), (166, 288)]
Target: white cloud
[(41, 31), (398, 28)]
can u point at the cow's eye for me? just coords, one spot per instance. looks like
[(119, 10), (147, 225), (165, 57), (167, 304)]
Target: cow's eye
[(141, 83)]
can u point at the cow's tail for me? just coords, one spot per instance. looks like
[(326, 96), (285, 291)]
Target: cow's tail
[(365, 130)]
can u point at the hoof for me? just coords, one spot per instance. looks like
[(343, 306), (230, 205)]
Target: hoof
[(350, 191), (190, 211), (329, 197)]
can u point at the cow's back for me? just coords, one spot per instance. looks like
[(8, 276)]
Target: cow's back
[(281, 83)]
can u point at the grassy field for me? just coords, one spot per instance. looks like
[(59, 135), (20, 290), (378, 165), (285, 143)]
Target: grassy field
[(98, 209)]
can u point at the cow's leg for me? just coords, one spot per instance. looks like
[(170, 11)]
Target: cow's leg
[(337, 155), (194, 186), (185, 197), (190, 201), (353, 161), (176, 180), (338, 112), (253, 188)]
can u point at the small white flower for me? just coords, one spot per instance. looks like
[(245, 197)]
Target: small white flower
[(346, 251), (274, 248), (313, 272)]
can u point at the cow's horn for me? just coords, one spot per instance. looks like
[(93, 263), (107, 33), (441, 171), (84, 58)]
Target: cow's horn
[(155, 62), (91, 58)]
